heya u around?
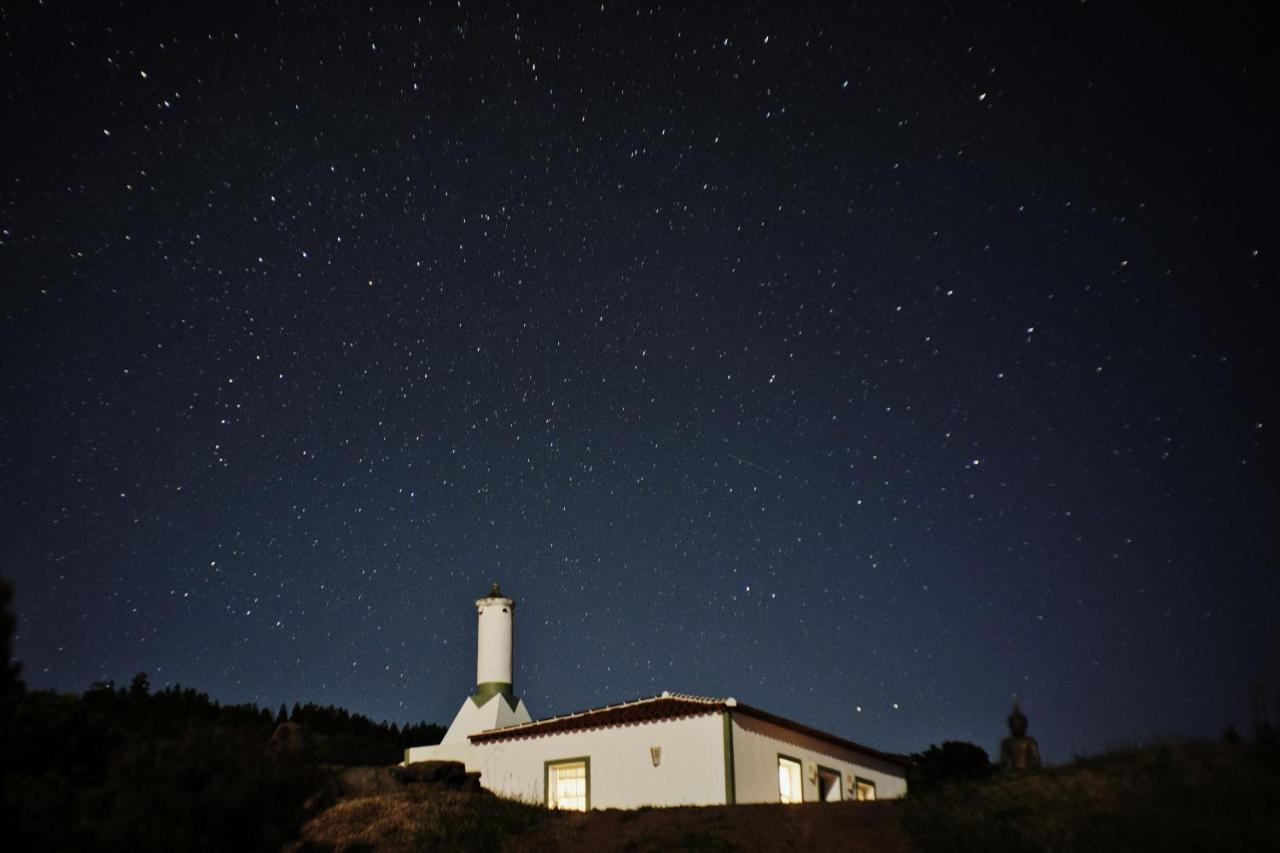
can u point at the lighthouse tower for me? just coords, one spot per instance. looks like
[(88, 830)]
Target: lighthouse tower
[(493, 704)]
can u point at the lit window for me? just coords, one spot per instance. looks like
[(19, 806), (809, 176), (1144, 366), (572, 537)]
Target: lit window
[(830, 785), (568, 785), (789, 789), (863, 789)]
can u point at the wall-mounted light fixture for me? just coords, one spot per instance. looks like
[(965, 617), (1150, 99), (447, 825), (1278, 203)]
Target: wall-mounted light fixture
[(655, 752)]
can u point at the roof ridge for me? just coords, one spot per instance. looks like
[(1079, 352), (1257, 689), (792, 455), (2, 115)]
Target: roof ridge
[(666, 694), (689, 697)]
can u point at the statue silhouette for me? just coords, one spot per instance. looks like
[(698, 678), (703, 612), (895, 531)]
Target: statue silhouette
[(1018, 751)]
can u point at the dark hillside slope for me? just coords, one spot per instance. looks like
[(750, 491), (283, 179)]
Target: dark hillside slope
[(1194, 796)]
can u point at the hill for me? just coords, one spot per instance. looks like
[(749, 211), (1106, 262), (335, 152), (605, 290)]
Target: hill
[(423, 818), (1193, 796), (1187, 796)]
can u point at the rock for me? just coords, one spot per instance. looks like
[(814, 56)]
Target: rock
[(362, 781), (444, 774)]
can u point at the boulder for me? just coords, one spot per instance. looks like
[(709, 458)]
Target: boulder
[(449, 774), (363, 781), (444, 774)]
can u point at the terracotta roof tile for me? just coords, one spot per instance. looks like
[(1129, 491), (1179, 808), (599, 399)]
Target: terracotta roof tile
[(665, 707)]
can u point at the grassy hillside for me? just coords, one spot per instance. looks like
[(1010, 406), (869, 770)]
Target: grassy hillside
[(423, 819), (1166, 798), (1194, 796)]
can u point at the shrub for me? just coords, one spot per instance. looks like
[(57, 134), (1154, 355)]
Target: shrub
[(1183, 797)]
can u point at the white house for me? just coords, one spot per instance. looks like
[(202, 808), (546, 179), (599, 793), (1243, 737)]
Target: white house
[(668, 750)]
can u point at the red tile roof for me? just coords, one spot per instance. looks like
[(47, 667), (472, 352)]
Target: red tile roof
[(668, 706)]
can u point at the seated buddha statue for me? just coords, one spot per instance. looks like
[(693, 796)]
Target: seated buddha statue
[(1018, 751)]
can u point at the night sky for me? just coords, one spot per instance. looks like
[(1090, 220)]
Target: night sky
[(874, 368)]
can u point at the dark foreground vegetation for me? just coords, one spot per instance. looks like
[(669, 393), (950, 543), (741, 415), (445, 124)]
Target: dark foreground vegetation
[(129, 769), (1188, 796), (425, 818), (1172, 797)]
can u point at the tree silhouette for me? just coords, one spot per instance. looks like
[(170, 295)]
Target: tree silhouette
[(10, 680), (952, 762)]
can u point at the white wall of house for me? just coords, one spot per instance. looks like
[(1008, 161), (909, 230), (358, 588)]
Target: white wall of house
[(758, 743), (622, 773)]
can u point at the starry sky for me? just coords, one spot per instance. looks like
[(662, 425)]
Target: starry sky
[(874, 367)]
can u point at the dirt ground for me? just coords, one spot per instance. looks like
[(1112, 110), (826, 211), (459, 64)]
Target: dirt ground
[(853, 827)]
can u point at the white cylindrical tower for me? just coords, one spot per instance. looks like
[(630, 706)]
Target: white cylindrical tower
[(493, 646)]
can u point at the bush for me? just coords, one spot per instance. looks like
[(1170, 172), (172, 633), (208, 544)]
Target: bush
[(1173, 797), (954, 761), (136, 770)]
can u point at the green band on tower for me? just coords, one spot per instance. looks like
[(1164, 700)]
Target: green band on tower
[(488, 689)]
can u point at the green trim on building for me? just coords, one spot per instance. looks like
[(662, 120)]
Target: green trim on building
[(730, 781), (486, 690), (546, 775)]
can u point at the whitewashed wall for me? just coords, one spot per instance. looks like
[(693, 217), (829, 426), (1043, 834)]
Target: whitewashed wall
[(691, 771), (757, 744)]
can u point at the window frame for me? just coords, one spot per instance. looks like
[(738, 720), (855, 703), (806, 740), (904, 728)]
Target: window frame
[(584, 760), (839, 787), (859, 781), (800, 776)]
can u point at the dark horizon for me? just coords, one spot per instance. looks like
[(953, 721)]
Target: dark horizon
[(876, 369)]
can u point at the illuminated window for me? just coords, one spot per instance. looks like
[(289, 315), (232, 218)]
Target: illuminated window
[(789, 789), (863, 789), (569, 784), (830, 785)]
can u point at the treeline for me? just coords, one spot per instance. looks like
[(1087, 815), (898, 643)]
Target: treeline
[(132, 769), (335, 735), (332, 722)]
